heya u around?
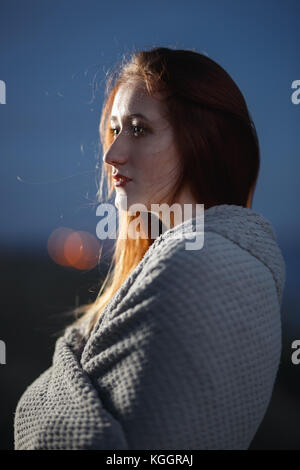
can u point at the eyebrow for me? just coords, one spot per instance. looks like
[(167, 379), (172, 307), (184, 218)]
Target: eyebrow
[(130, 116)]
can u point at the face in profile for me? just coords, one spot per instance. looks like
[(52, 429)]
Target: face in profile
[(142, 148)]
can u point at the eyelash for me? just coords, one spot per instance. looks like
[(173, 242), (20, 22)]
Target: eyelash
[(132, 127)]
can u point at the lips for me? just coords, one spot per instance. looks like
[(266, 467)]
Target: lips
[(121, 178)]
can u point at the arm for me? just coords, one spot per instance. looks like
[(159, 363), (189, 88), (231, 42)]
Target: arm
[(179, 362), (184, 358)]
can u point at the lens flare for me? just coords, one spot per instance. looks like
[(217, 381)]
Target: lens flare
[(56, 243), (76, 249)]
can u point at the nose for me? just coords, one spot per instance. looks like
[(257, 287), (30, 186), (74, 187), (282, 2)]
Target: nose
[(115, 155)]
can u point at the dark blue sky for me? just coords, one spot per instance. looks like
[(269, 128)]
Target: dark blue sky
[(53, 51)]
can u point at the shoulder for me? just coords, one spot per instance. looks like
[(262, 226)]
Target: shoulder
[(181, 260), (220, 297), (221, 284)]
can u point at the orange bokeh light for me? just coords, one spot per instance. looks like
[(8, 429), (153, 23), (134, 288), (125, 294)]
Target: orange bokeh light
[(56, 243), (77, 249)]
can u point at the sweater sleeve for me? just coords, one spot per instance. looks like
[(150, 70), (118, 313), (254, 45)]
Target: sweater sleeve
[(188, 357)]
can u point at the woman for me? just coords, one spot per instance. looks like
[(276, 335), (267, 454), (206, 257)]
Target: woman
[(182, 346)]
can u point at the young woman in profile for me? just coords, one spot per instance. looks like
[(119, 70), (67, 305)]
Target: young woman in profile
[(182, 346)]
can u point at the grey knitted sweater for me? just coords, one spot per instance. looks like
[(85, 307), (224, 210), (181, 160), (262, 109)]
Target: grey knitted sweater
[(185, 355)]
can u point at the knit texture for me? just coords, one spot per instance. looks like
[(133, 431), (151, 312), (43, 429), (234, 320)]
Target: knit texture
[(184, 356)]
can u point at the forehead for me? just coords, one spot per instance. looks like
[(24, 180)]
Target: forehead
[(134, 99)]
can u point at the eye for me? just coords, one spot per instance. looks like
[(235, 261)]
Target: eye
[(112, 131), (137, 130)]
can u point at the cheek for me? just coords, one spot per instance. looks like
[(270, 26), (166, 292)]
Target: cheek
[(157, 158), (156, 168)]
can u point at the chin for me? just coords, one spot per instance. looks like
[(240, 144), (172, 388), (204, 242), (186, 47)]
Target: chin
[(123, 201)]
